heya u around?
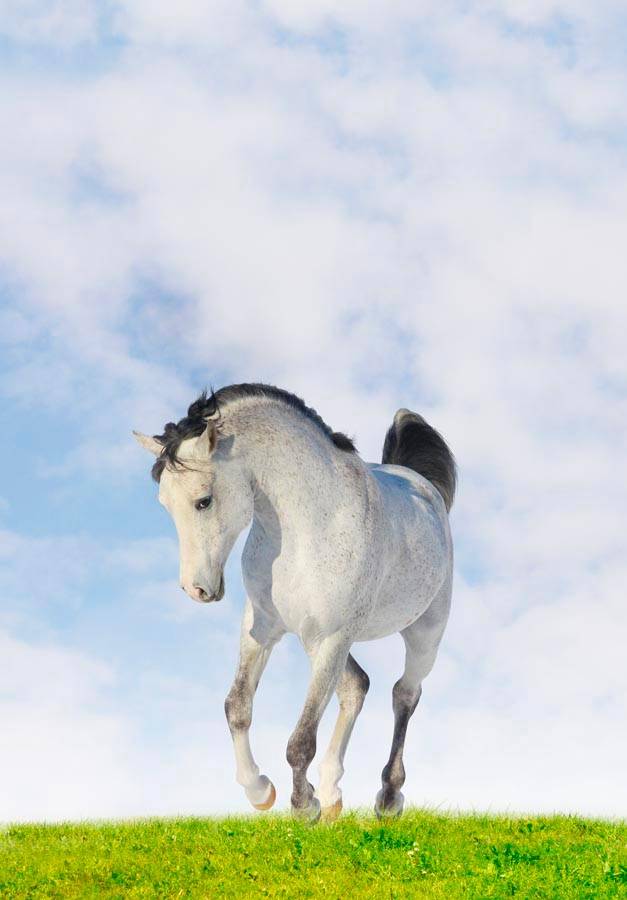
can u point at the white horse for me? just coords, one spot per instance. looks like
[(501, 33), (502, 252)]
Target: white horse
[(339, 551)]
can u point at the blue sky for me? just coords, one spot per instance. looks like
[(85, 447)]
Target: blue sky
[(406, 205)]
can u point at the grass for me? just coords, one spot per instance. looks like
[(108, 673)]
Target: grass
[(420, 855)]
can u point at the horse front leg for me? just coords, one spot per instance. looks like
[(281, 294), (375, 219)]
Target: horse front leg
[(351, 691), (254, 655), (328, 662)]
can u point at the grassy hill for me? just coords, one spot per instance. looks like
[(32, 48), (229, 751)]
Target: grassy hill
[(420, 855)]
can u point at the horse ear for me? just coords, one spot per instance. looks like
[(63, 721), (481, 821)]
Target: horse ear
[(206, 443), (149, 443)]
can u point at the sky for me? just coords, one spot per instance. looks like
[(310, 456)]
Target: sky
[(377, 205)]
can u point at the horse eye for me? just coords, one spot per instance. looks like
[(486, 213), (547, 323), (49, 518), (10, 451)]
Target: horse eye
[(203, 503)]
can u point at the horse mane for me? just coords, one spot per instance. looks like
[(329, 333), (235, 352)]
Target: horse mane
[(209, 404)]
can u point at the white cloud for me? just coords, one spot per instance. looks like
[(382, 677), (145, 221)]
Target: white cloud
[(53, 743), (72, 749), (64, 23)]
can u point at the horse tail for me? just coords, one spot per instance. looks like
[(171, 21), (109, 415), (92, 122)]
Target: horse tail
[(411, 442)]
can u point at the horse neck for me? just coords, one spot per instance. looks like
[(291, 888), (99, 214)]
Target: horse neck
[(296, 470)]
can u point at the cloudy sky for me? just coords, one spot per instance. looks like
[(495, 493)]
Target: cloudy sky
[(373, 205)]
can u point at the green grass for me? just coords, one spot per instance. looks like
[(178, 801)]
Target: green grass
[(420, 855)]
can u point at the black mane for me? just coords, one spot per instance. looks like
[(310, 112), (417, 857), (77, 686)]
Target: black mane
[(195, 422)]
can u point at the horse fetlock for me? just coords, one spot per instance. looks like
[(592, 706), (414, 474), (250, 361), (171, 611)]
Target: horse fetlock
[(261, 793), (393, 775), (329, 795), (302, 793), (389, 802), (332, 812), (310, 812)]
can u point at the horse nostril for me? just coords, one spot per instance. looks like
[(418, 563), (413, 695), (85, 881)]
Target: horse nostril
[(202, 594)]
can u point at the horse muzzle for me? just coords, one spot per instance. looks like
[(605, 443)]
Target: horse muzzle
[(201, 595)]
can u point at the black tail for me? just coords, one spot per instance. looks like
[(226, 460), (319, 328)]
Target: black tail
[(412, 443)]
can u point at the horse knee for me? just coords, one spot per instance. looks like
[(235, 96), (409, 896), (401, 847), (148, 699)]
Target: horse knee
[(301, 749), (238, 710)]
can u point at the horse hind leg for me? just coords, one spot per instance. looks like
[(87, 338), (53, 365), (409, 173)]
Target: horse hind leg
[(351, 691), (405, 696)]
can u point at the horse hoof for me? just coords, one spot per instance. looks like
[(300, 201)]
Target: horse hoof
[(309, 813), (331, 813), (268, 803), (389, 810)]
